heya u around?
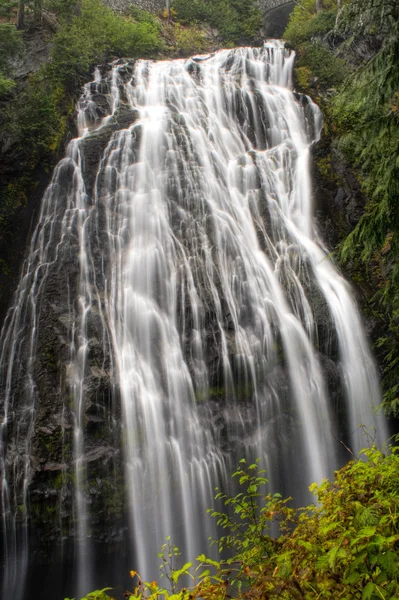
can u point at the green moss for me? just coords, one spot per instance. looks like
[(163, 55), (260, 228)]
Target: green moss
[(303, 77), (218, 393), (12, 198), (49, 358), (326, 169)]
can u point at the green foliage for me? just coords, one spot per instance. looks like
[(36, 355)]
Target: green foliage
[(189, 40), (96, 595), (13, 197), (366, 117), (246, 525), (10, 44), (169, 554), (345, 547), (235, 19), (328, 69), (316, 63), (143, 16), (36, 121), (7, 8), (368, 125), (96, 34), (304, 23), (6, 85)]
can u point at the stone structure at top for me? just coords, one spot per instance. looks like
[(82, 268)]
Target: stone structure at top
[(270, 5), (276, 11)]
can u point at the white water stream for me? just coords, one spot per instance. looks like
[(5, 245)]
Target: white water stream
[(197, 252)]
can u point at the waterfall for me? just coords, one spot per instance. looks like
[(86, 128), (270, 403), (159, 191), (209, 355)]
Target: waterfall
[(176, 312)]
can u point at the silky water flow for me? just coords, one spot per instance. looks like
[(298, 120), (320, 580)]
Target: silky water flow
[(176, 259)]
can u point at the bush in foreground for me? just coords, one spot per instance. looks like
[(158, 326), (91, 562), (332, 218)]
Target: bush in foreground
[(345, 547)]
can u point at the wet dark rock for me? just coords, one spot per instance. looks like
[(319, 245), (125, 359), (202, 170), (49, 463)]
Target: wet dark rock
[(36, 54), (338, 200)]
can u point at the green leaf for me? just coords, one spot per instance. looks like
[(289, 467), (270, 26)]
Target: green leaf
[(333, 554), (205, 573), (183, 571), (366, 532), (368, 591), (208, 561), (306, 545)]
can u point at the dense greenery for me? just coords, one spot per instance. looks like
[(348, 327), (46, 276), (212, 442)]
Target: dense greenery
[(362, 120), (344, 547), (366, 114), (235, 19), (95, 35), (305, 32), (10, 46)]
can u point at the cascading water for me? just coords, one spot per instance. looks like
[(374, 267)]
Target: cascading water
[(178, 304)]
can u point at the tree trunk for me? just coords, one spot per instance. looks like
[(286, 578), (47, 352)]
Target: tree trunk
[(339, 6), (37, 10), (319, 5), (21, 14)]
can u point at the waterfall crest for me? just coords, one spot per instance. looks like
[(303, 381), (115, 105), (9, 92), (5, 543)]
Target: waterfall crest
[(176, 292)]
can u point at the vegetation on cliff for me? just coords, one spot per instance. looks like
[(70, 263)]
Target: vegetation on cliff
[(35, 112), (345, 546), (10, 44), (349, 61)]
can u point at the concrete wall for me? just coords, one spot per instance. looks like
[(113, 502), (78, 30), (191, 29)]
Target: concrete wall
[(150, 5), (158, 5), (270, 4)]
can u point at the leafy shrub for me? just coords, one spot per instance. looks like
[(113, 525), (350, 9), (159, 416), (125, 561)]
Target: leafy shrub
[(96, 34), (345, 547), (7, 7), (305, 32), (329, 69), (143, 16), (305, 23), (6, 85), (10, 44), (189, 40)]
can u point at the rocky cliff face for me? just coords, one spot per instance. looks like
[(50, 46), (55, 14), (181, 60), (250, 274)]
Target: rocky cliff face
[(345, 177)]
